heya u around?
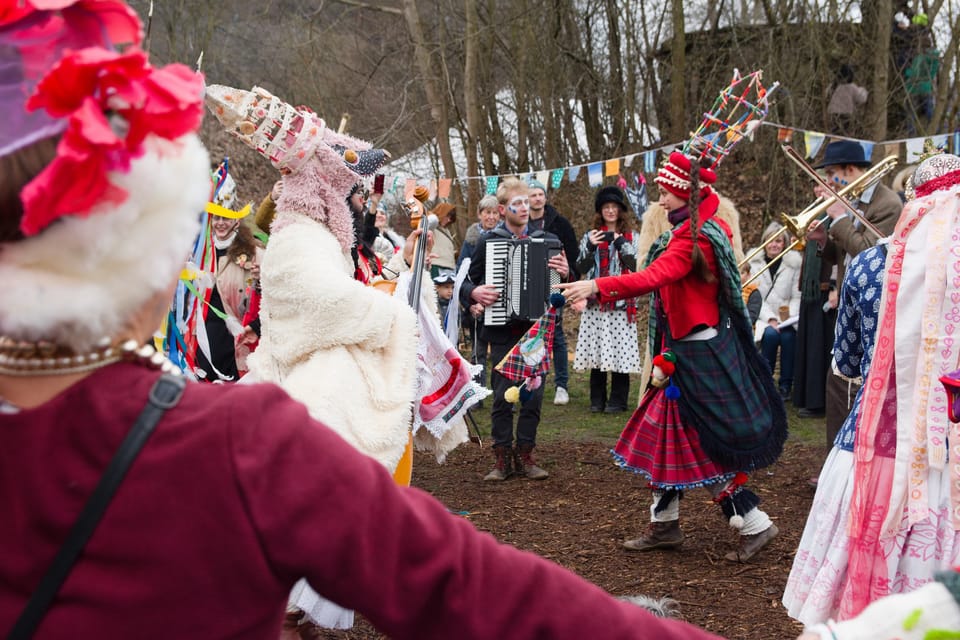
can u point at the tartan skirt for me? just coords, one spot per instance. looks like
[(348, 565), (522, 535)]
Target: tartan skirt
[(657, 444)]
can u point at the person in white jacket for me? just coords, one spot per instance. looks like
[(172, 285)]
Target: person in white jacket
[(779, 284)]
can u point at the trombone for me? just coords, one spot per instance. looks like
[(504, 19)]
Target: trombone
[(799, 224)]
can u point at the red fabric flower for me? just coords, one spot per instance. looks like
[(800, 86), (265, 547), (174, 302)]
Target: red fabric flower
[(87, 72), (113, 102), (120, 21)]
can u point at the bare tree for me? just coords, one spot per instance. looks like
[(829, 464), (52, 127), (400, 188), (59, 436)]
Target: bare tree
[(436, 97), (678, 71)]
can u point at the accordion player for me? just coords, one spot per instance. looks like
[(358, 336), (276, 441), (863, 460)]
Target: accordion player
[(518, 269)]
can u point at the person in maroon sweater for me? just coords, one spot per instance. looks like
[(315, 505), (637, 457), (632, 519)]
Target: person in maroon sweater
[(238, 493), (712, 412)]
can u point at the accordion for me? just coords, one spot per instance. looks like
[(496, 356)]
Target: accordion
[(517, 268)]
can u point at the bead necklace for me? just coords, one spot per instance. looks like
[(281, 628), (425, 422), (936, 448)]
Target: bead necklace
[(20, 358)]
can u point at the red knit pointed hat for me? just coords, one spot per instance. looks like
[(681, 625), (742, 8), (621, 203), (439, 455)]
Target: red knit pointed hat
[(674, 176)]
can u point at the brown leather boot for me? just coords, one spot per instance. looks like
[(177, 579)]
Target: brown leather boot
[(659, 535), (502, 469), (750, 545), (526, 465)]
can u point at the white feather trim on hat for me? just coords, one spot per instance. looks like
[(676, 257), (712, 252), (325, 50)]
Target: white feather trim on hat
[(83, 278)]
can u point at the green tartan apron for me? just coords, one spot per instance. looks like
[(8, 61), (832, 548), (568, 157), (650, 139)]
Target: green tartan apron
[(727, 392)]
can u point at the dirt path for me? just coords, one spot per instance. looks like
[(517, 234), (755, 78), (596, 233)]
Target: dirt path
[(578, 517)]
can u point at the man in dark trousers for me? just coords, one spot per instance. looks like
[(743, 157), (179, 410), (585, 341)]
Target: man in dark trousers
[(476, 294), (543, 217)]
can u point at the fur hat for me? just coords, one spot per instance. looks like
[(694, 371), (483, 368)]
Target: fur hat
[(80, 274), (674, 175), (610, 194)]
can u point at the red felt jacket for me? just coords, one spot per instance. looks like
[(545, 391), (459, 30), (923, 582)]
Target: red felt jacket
[(688, 301), (238, 494)]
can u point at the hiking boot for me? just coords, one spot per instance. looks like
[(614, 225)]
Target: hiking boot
[(561, 397), (750, 545), (659, 535), (502, 469), (526, 465)]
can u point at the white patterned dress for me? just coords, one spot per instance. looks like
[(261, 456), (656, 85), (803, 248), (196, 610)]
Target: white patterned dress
[(819, 570), (608, 338)]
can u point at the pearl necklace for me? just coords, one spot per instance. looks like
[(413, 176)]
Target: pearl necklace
[(20, 358)]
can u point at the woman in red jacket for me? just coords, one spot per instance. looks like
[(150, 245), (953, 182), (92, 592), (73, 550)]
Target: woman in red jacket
[(712, 413)]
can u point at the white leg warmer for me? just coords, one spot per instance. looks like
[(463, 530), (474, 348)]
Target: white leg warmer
[(669, 514), (754, 522)]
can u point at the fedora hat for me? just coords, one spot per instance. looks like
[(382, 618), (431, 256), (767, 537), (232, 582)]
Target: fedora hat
[(844, 152)]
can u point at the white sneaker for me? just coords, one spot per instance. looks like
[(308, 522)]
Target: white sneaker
[(561, 396)]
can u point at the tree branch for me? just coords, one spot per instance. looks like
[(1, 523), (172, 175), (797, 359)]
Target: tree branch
[(371, 7)]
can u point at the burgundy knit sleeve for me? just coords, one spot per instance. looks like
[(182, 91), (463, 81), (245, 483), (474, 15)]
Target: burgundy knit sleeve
[(396, 555)]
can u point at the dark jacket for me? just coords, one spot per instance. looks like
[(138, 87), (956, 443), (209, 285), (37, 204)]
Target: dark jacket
[(559, 226), (845, 238), (470, 239), (476, 276)]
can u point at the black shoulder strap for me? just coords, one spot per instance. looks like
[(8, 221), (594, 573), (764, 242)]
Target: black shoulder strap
[(165, 394)]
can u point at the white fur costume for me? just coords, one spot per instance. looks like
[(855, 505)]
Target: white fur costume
[(347, 351)]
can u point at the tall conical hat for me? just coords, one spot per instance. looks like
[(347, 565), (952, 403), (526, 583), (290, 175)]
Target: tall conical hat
[(286, 136)]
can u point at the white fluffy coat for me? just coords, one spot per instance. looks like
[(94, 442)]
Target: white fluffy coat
[(347, 351), (781, 291)]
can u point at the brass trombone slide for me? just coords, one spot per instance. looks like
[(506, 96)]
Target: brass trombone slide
[(876, 172), (799, 224)]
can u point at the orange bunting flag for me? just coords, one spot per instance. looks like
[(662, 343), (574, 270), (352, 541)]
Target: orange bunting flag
[(612, 167), (784, 135), (443, 187)]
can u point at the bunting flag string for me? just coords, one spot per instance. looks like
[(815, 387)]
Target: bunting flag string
[(597, 171)]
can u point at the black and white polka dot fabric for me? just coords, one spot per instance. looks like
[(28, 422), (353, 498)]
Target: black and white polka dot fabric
[(607, 341)]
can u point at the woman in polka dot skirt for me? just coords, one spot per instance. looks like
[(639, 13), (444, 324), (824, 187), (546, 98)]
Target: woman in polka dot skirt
[(608, 330)]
